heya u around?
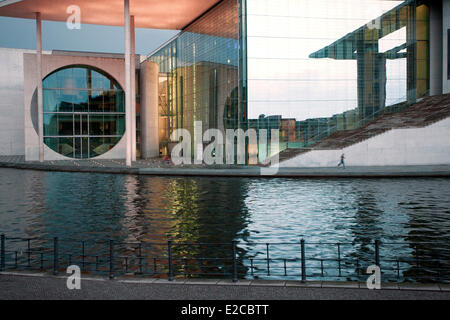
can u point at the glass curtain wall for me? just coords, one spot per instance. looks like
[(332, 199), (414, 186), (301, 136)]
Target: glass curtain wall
[(84, 112), (200, 78), (319, 66)]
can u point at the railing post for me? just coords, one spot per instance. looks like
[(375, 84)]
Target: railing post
[(377, 253), (302, 244), (268, 259), (2, 254), (29, 252), (83, 256), (111, 262), (169, 247), (140, 258), (55, 256), (339, 259), (235, 273)]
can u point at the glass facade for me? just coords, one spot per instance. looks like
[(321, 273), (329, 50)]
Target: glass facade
[(317, 67), (200, 78), (84, 112), (308, 68)]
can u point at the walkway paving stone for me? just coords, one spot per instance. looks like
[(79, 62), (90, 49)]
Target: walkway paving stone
[(44, 286), (343, 284), (419, 286), (155, 167)]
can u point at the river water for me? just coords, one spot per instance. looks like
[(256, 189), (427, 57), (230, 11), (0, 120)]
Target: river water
[(410, 216)]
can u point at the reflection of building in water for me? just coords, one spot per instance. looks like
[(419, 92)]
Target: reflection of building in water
[(183, 210)]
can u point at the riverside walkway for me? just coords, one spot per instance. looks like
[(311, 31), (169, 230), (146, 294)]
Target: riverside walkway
[(157, 167), (15, 286)]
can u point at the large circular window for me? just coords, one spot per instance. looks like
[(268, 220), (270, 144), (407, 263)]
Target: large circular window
[(84, 112)]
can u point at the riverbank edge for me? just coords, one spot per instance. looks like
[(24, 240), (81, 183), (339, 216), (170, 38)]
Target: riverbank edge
[(251, 172), (436, 287)]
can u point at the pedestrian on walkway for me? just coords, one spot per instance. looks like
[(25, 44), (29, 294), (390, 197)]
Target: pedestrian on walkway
[(342, 163)]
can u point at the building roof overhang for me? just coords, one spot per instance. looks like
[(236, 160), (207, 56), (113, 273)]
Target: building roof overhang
[(154, 14)]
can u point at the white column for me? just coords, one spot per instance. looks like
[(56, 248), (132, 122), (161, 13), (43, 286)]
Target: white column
[(149, 110), (39, 85), (133, 91), (127, 81)]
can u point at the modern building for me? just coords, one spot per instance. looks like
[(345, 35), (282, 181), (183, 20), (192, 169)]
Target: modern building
[(314, 70)]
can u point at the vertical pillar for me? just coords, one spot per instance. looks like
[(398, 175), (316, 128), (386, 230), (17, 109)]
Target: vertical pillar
[(133, 90), (39, 85), (149, 109), (127, 81), (436, 48)]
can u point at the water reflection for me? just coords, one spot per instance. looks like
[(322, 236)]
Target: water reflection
[(100, 207)]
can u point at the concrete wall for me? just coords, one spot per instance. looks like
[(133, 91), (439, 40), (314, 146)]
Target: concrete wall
[(12, 138), (445, 28), (149, 110), (113, 66), (415, 146)]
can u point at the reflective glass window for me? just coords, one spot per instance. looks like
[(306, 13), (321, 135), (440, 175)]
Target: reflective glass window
[(82, 105)]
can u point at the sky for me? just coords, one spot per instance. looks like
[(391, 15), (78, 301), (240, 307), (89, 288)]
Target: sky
[(21, 33)]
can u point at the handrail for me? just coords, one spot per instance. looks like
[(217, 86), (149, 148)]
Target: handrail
[(235, 260)]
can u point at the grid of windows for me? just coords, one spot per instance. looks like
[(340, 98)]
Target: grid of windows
[(317, 67), (84, 112), (200, 73)]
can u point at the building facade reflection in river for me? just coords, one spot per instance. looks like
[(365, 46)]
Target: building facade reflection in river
[(100, 207)]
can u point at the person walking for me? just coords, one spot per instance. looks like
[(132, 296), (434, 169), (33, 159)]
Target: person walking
[(342, 163)]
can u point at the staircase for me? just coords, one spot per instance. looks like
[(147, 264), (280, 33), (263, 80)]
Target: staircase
[(424, 113)]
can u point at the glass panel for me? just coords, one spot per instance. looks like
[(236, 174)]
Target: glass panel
[(97, 146), (85, 148), (96, 101), (96, 125), (65, 78), (62, 146), (65, 100), (52, 143), (119, 101), (65, 147), (65, 124), (50, 124), (120, 124), (77, 148), (109, 101), (84, 125), (99, 81), (50, 81), (80, 76), (77, 124), (50, 100), (110, 142), (111, 128), (80, 101)]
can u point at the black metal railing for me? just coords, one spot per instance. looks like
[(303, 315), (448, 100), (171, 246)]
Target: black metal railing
[(302, 260)]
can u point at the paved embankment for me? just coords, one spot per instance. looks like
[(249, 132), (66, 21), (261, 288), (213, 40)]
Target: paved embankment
[(155, 167), (43, 286)]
